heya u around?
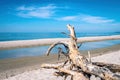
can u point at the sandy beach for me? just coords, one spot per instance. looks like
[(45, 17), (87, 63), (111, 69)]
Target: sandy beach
[(44, 74), (82, 36), (23, 68), (42, 42)]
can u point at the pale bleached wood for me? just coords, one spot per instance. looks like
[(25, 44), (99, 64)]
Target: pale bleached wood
[(82, 62), (76, 75), (65, 44), (112, 67), (85, 65)]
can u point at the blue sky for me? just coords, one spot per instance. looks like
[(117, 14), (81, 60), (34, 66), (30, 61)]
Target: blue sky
[(54, 15)]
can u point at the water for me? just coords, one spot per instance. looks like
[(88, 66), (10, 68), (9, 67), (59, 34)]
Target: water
[(41, 50), (28, 36)]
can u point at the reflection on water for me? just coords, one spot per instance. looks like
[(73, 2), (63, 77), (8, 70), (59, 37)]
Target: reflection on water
[(37, 51)]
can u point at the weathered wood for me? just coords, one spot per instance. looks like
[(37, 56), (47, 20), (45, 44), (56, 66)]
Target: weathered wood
[(42, 42), (80, 62), (112, 67), (65, 44), (76, 75)]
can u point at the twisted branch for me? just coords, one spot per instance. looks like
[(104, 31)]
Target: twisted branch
[(65, 44)]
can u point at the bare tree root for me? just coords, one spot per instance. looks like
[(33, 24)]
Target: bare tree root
[(79, 67), (65, 44), (112, 67), (60, 51), (76, 75), (80, 45)]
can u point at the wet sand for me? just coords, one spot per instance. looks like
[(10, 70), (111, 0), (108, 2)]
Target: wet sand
[(12, 67)]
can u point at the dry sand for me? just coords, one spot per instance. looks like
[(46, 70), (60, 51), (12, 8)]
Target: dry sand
[(111, 57), (28, 68), (45, 74)]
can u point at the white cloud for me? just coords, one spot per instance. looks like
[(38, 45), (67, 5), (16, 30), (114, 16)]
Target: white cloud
[(68, 18), (38, 12), (95, 19), (86, 19), (22, 8), (49, 10)]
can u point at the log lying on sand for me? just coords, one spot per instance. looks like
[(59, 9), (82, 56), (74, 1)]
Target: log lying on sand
[(76, 75), (79, 64), (112, 67)]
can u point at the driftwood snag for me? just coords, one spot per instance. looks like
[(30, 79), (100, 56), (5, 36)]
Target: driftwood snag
[(79, 67)]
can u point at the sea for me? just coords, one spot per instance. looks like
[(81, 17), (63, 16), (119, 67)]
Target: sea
[(41, 50)]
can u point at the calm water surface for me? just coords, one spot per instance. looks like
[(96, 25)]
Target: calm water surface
[(37, 51)]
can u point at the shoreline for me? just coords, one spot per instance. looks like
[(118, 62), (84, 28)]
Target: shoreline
[(14, 66), (42, 42)]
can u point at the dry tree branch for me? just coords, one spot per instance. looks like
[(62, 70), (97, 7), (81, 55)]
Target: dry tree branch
[(112, 67), (80, 62), (89, 57), (76, 75), (60, 51), (80, 45), (65, 44)]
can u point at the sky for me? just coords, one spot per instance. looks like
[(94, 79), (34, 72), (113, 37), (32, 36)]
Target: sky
[(54, 15)]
